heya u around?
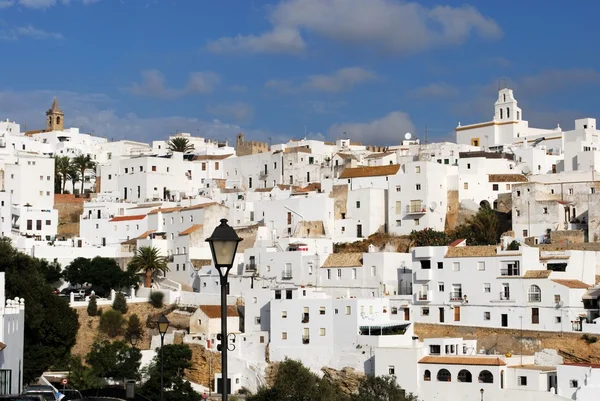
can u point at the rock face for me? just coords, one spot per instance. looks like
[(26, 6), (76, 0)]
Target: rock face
[(348, 379), (204, 365)]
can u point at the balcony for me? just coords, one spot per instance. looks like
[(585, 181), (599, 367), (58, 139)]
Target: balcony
[(263, 175), (286, 275), (305, 318), (456, 296), (169, 258), (510, 271), (251, 267), (504, 296), (423, 296), (305, 340), (423, 275), (420, 208)]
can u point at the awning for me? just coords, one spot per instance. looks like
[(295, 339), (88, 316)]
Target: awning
[(593, 293), (387, 328)]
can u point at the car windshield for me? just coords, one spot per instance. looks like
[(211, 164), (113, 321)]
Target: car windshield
[(46, 394)]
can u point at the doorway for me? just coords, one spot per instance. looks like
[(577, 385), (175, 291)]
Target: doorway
[(359, 230), (441, 315), (407, 314), (504, 318), (457, 313)]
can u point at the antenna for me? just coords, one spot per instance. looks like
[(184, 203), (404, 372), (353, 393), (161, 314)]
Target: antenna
[(425, 134), (504, 80), (304, 131)]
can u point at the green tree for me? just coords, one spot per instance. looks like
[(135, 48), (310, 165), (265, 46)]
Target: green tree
[(120, 303), (50, 324), (114, 360), (177, 358), (52, 272), (147, 261), (381, 388), (428, 237), (92, 308), (76, 271), (111, 322), (485, 226), (83, 163), (134, 328), (180, 144), (103, 274), (73, 175), (61, 170), (83, 377)]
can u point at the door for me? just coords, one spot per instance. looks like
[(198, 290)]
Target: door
[(359, 230), (504, 318), (535, 315), (441, 315), (457, 313), (407, 314)]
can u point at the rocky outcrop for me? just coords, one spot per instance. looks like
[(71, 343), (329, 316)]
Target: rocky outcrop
[(348, 379), (205, 364)]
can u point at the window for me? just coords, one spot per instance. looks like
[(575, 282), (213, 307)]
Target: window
[(426, 264), (486, 377), (521, 380), (418, 169), (427, 376), (468, 166), (557, 319), (440, 265), (425, 311), (573, 383), (277, 294), (486, 315), (203, 166), (321, 310), (464, 376), (535, 315), (556, 298), (373, 271), (481, 266), (441, 287), (518, 193), (284, 335), (435, 349), (525, 233), (391, 370), (534, 294), (322, 331), (494, 187), (5, 381), (348, 310), (354, 274), (466, 185), (444, 375), (48, 222), (358, 204), (418, 186), (257, 320), (518, 212), (328, 274), (216, 165), (38, 225), (455, 266), (398, 188), (288, 294), (398, 207), (487, 287), (416, 222), (284, 314), (41, 178), (570, 191), (507, 187)]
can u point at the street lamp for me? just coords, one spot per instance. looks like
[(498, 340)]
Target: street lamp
[(133, 339), (481, 391), (223, 245), (163, 326)]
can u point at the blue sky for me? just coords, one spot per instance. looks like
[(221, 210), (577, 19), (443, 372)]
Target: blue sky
[(375, 69)]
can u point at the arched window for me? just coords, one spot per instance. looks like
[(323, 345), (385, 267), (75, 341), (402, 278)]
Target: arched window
[(486, 377), (502, 379), (507, 112), (535, 294), (501, 111), (427, 376), (58, 120), (464, 376), (504, 97), (444, 376)]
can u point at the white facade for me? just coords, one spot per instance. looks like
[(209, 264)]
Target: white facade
[(12, 326)]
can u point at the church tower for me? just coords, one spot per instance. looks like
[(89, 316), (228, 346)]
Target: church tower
[(506, 107), (55, 118)]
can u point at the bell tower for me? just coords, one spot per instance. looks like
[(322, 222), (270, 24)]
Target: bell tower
[(506, 107), (55, 118)]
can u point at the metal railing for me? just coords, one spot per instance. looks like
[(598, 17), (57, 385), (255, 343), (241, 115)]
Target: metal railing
[(423, 296), (510, 271), (504, 296), (416, 209), (456, 296)]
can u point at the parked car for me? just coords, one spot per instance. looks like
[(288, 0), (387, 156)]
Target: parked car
[(47, 392), (71, 394), (22, 397)]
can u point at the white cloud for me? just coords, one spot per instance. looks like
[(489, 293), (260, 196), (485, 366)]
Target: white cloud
[(338, 81), (237, 111), (95, 113), (434, 91), (153, 85), (28, 31), (389, 129), (382, 25)]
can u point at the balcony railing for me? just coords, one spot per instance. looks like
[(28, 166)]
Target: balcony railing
[(286, 275), (456, 296), (305, 318), (423, 295), (305, 340), (416, 209), (504, 296), (169, 258), (510, 271), (535, 297)]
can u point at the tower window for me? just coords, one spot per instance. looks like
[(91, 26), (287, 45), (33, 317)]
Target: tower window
[(507, 112), (501, 115), (58, 120)]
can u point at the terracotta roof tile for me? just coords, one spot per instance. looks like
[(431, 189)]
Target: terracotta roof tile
[(263, 189), (147, 205), (457, 242), (463, 360), (146, 234), (348, 156), (470, 251), (214, 311), (198, 263), (315, 186), (191, 229), (127, 218), (343, 260), (210, 157), (370, 171), (576, 284), (182, 209), (507, 178), (379, 155), (537, 274)]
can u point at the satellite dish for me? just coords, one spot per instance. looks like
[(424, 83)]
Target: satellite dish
[(526, 170), (433, 206), (407, 136)]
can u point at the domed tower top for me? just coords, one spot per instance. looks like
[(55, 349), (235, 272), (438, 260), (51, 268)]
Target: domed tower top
[(55, 118)]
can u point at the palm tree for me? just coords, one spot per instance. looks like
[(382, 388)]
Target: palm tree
[(180, 144), (147, 261), (61, 170), (73, 176), (82, 163), (485, 226)]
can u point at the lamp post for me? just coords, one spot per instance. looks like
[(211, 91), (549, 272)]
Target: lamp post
[(223, 245), (481, 391), (163, 326), (133, 340)]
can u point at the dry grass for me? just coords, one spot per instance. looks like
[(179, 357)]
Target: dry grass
[(382, 241)]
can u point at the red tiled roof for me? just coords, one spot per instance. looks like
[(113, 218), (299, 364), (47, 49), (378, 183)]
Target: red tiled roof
[(127, 218), (191, 229), (214, 311), (456, 243), (572, 284), (370, 171), (463, 360)]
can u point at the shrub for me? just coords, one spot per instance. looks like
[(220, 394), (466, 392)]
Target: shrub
[(134, 327), (120, 303), (92, 308), (513, 246), (100, 311), (589, 339), (111, 322), (156, 299)]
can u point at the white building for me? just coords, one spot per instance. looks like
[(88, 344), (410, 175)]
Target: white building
[(12, 326)]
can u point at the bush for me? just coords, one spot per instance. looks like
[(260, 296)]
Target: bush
[(156, 299), (134, 327), (100, 311), (120, 303), (513, 246), (111, 322), (92, 308), (589, 339)]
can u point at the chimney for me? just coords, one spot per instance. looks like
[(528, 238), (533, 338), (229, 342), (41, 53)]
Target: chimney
[(415, 341)]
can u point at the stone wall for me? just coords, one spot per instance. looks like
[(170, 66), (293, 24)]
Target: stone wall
[(567, 237), (452, 210), (69, 209), (310, 229), (340, 194), (244, 148)]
